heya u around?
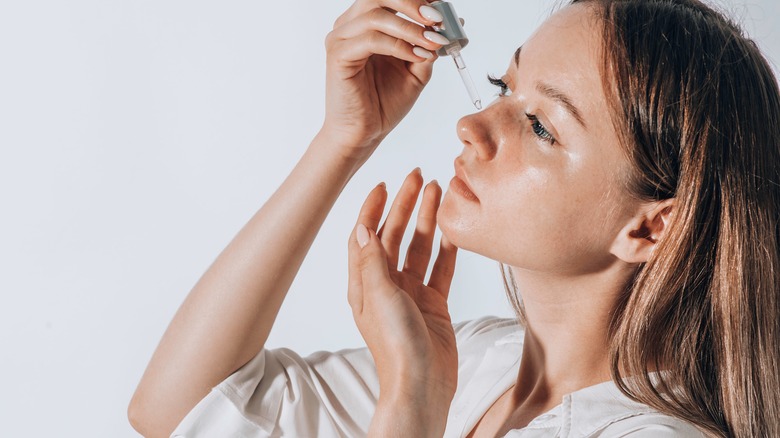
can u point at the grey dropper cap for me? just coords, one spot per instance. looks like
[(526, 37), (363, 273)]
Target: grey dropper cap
[(450, 26)]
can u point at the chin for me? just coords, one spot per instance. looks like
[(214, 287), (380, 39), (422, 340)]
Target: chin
[(465, 233), (459, 232)]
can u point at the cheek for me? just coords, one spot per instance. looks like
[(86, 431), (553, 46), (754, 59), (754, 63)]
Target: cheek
[(538, 210), (540, 213), (548, 224)]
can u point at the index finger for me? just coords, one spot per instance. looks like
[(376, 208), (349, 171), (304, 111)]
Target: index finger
[(370, 215), (443, 267), (418, 10)]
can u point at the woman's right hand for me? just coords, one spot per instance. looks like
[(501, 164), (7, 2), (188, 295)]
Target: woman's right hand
[(377, 66)]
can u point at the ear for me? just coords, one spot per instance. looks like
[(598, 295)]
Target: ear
[(636, 241)]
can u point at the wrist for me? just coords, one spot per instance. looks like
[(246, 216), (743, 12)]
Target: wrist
[(424, 386), (405, 415), (354, 150)]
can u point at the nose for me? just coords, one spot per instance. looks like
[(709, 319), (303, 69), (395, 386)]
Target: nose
[(474, 132)]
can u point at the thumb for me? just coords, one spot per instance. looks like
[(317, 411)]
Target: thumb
[(373, 262), (423, 70)]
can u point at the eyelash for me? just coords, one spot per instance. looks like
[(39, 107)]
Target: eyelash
[(500, 84), (536, 126)]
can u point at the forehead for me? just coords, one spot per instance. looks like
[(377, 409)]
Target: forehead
[(565, 51)]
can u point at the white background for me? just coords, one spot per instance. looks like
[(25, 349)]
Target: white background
[(137, 137)]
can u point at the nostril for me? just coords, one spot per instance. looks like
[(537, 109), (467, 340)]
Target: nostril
[(466, 129), (474, 132)]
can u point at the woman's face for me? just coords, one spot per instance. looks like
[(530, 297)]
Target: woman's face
[(544, 160)]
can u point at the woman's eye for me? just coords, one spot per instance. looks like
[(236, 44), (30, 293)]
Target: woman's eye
[(500, 84), (539, 129), (536, 126)]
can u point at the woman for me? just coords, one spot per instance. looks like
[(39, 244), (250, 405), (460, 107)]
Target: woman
[(627, 176)]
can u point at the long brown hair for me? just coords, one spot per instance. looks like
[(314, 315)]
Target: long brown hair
[(698, 109)]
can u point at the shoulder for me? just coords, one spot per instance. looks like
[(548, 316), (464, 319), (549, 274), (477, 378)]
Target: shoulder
[(486, 328), (487, 336)]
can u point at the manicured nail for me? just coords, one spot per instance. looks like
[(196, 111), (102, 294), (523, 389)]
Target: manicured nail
[(431, 14), (422, 53), (362, 235), (435, 37)]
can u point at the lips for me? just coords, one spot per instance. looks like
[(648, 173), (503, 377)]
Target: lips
[(461, 174)]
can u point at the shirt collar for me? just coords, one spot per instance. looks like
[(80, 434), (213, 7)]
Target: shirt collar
[(495, 373), (580, 414), (584, 412)]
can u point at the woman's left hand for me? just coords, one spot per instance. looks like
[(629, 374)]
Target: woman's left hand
[(405, 323)]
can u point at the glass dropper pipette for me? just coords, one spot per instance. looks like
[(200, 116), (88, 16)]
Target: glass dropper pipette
[(452, 29), (466, 77)]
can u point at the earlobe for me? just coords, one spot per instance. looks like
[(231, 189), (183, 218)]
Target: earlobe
[(637, 240)]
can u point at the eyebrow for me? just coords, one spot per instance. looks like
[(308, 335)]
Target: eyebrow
[(555, 94)]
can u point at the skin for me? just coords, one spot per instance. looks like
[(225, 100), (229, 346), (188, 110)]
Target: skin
[(557, 212), (560, 210), (373, 78)]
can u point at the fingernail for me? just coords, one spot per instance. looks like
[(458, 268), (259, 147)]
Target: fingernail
[(431, 14), (362, 235), (433, 181), (422, 53), (382, 184), (435, 37), (417, 170)]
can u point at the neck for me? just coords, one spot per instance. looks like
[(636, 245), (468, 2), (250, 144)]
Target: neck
[(566, 344)]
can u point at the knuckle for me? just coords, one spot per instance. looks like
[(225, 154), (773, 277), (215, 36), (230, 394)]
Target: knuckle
[(344, 17), (374, 17), (409, 28), (420, 250), (364, 263), (400, 48), (403, 207), (329, 39), (446, 270), (393, 235), (356, 306), (372, 38), (426, 216)]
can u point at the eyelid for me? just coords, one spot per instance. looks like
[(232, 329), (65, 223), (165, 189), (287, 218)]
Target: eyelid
[(506, 90), (505, 84), (542, 118), (506, 79)]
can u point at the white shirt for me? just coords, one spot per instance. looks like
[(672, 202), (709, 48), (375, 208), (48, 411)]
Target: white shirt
[(334, 394)]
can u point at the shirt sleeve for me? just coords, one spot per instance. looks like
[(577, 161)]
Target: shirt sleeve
[(280, 393)]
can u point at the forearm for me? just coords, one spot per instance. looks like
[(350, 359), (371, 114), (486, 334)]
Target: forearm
[(227, 317)]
